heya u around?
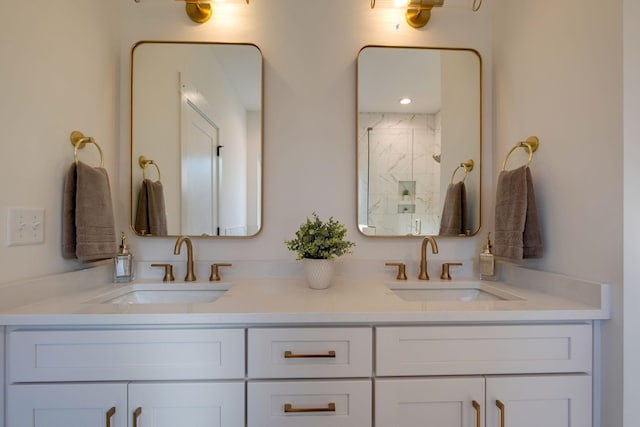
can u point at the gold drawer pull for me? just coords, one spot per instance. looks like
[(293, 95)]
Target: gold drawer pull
[(290, 355), (136, 414), (476, 406), (500, 406), (110, 413), (288, 408)]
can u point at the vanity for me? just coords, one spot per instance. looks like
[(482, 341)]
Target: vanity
[(272, 352)]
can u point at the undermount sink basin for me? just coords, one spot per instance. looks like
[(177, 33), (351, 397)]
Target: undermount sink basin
[(449, 291), (164, 293)]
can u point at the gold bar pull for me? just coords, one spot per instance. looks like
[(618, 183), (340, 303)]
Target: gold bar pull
[(136, 415), (476, 406), (288, 408), (500, 406), (290, 355), (110, 413)]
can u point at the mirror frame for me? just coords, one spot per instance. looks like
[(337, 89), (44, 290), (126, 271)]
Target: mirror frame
[(478, 164), (133, 163)]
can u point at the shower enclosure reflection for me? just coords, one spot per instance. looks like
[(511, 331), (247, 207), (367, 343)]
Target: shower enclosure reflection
[(401, 168)]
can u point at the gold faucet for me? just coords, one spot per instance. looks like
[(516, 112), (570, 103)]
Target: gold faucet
[(423, 256), (190, 277)]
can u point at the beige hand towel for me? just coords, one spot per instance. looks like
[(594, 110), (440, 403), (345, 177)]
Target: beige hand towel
[(517, 230), (88, 226), (454, 211), (151, 216)]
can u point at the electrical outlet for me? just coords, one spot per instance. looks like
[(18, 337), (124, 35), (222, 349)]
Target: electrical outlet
[(25, 226)]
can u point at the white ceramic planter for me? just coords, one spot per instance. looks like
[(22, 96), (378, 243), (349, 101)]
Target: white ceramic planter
[(318, 273)]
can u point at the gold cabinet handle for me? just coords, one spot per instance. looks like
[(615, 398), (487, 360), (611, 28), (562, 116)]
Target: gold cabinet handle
[(136, 415), (288, 408), (500, 406), (476, 406), (110, 413), (291, 355)]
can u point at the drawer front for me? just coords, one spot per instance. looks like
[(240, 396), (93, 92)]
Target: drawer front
[(310, 352), (113, 355), (309, 403), (499, 349)]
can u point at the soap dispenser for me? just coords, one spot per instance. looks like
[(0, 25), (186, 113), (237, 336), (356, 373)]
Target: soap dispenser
[(123, 263), (487, 261)]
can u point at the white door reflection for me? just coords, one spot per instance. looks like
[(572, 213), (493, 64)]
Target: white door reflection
[(199, 170)]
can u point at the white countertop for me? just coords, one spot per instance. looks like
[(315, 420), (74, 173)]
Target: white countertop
[(69, 299)]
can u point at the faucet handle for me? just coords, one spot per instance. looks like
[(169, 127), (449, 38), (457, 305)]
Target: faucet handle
[(401, 269), (446, 275), (215, 271), (168, 272)]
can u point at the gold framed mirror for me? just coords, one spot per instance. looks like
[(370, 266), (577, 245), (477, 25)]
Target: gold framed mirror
[(419, 114), (196, 139)]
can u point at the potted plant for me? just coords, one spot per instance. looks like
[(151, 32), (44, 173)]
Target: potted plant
[(317, 243)]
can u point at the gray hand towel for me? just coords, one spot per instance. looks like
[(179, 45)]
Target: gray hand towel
[(517, 230), (151, 216), (88, 226), (453, 221)]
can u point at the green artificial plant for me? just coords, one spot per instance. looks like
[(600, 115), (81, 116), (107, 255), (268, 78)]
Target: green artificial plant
[(320, 240)]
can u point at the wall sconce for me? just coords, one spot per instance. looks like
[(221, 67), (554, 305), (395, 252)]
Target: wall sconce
[(418, 11), (199, 10)]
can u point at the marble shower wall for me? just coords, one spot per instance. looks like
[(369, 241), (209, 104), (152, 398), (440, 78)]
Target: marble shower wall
[(395, 153)]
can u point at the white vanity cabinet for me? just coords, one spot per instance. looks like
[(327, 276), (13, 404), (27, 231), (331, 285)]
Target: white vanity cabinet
[(490, 375), (309, 377), (120, 377), (555, 392)]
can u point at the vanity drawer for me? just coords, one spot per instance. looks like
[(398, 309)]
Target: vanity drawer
[(318, 403), (125, 354), (309, 352), (499, 349)]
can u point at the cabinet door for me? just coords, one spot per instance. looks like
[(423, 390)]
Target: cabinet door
[(67, 405), (430, 402), (187, 404), (549, 401)]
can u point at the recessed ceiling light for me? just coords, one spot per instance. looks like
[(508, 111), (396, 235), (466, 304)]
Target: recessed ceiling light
[(405, 101)]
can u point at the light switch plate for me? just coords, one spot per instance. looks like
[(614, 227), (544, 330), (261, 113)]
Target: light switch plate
[(25, 226)]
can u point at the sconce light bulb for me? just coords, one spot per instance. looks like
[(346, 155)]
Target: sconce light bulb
[(400, 3)]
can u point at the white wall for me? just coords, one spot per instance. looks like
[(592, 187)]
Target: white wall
[(631, 15), (557, 77), (63, 77), (59, 73), (310, 50)]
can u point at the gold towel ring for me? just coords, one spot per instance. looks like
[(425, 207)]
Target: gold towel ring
[(144, 162), (466, 166), (531, 144), (78, 140)]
